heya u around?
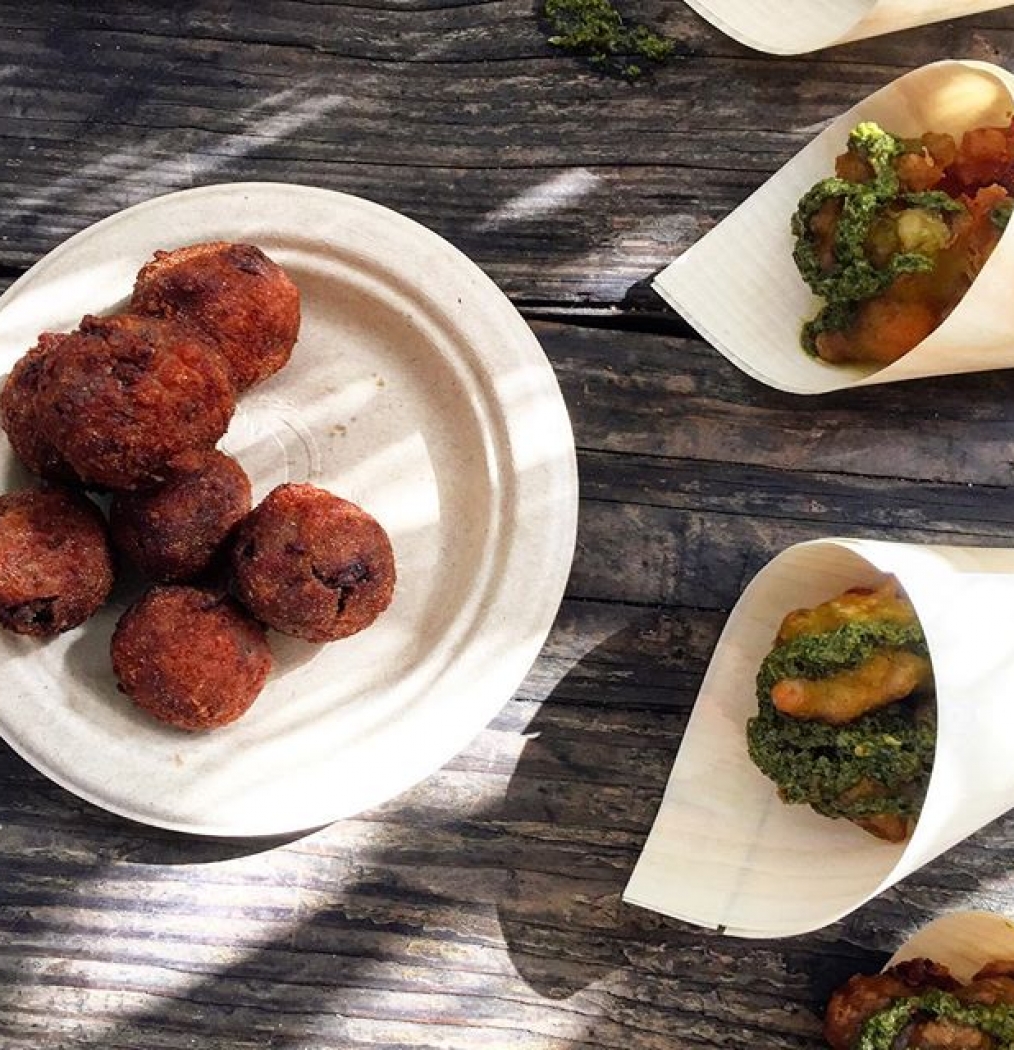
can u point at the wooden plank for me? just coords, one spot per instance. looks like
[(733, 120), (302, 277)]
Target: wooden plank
[(633, 393), (483, 907), (565, 185), (415, 925)]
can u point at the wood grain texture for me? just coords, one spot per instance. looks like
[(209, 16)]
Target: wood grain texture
[(565, 185), (481, 910)]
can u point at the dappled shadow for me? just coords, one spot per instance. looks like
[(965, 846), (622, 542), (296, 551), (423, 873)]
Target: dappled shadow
[(564, 185), (475, 900), (482, 908), (35, 801)]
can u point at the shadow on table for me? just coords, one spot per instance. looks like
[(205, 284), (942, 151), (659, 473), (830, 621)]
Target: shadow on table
[(549, 861), (582, 811), (114, 839), (525, 859), (577, 809)]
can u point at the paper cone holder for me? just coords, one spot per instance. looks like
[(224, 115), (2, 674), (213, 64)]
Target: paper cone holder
[(963, 941), (792, 27), (726, 853), (739, 287)]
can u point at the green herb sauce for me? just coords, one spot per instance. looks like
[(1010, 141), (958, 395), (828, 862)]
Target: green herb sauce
[(596, 30), (1000, 215), (854, 278), (817, 764), (883, 1028), (931, 200), (814, 656)]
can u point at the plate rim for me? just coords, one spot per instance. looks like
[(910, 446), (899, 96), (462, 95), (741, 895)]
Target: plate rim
[(563, 532)]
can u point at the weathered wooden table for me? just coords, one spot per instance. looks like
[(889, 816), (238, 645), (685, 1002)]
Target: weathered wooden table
[(482, 909)]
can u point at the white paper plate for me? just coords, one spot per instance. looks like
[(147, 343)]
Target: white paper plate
[(415, 390)]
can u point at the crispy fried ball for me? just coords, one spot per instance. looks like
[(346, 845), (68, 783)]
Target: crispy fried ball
[(312, 565), (190, 657), (235, 295), (127, 394), (55, 564), (861, 997), (174, 531), (20, 417)]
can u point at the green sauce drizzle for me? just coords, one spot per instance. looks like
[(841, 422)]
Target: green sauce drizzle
[(853, 277), (1001, 213), (814, 656), (883, 1028), (815, 763), (595, 29)]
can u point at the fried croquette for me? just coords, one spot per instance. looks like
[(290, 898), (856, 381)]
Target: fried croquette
[(920, 1004), (56, 568), (127, 394), (174, 531), (312, 565), (20, 416), (190, 657), (239, 299)]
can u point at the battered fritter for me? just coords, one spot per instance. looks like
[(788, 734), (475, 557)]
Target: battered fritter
[(190, 657), (846, 720), (127, 394), (234, 295), (20, 416), (174, 531), (55, 564), (312, 565), (919, 1005)]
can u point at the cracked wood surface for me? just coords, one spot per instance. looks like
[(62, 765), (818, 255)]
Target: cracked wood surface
[(482, 908)]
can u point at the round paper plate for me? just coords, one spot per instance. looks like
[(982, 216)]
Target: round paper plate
[(415, 390)]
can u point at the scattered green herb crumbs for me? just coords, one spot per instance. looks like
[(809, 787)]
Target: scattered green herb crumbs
[(817, 764), (595, 29)]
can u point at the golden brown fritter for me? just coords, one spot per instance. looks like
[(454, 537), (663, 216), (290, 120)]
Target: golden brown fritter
[(239, 299), (922, 218), (845, 721), (127, 394), (55, 564), (863, 996), (190, 657), (944, 1034), (174, 531), (312, 565), (20, 416), (994, 983), (857, 605), (883, 678), (892, 827), (996, 968)]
